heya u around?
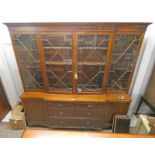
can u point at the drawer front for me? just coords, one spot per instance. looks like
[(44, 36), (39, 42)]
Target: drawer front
[(59, 122), (90, 113), (61, 112), (89, 106), (76, 113), (74, 105), (68, 105)]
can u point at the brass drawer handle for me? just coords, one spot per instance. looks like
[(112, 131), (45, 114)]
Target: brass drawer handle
[(87, 122), (61, 122), (60, 105), (88, 114), (89, 106), (61, 113)]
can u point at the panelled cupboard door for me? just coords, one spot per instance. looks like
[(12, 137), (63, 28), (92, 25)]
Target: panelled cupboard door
[(124, 55), (57, 49), (92, 49), (35, 111), (27, 54)]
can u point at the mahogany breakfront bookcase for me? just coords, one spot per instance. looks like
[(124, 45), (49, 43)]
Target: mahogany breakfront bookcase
[(76, 75)]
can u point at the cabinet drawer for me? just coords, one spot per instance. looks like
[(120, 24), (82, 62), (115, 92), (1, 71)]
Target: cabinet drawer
[(90, 113), (74, 105), (76, 113), (90, 106), (61, 112), (68, 105), (59, 122)]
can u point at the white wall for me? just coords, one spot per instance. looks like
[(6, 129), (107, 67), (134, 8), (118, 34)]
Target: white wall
[(8, 69), (7, 63), (74, 11), (144, 70)]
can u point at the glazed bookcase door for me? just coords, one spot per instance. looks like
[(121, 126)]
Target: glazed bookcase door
[(57, 49), (124, 55), (91, 59), (27, 54)]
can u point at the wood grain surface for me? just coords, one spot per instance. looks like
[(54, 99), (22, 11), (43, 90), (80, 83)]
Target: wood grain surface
[(44, 133)]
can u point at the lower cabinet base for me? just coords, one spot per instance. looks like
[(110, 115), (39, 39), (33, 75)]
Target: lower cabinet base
[(84, 115)]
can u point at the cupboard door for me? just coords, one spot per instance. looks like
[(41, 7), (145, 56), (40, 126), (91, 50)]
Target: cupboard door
[(28, 60), (124, 55), (92, 52), (36, 112), (57, 49)]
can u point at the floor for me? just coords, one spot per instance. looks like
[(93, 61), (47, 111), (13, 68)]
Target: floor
[(7, 132)]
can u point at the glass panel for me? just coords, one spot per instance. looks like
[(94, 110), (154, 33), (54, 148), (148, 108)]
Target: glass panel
[(28, 58), (123, 56), (92, 50), (58, 59)]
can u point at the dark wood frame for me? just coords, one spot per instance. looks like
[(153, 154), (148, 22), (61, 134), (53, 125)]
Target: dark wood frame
[(144, 100), (107, 55), (42, 58), (135, 59), (17, 58)]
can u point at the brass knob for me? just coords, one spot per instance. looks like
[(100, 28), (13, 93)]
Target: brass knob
[(88, 114), (61, 122), (60, 105), (88, 122), (61, 113), (89, 106)]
